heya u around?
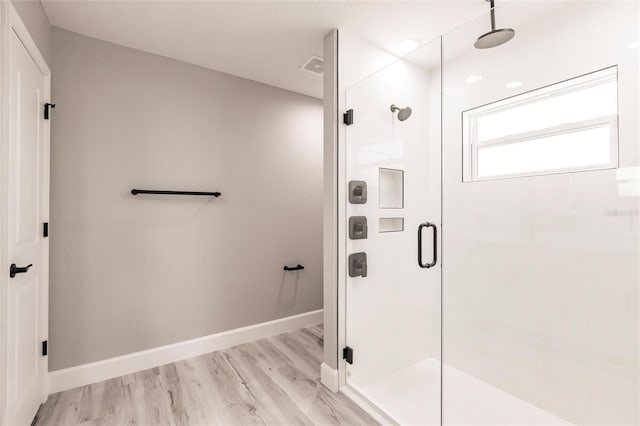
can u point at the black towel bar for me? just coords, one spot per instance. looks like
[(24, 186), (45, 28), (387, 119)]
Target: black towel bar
[(150, 191), (294, 268)]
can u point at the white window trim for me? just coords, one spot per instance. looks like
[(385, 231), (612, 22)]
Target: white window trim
[(470, 118)]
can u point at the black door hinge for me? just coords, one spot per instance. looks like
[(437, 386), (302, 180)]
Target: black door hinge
[(45, 229), (44, 348), (347, 354), (46, 109), (347, 117)]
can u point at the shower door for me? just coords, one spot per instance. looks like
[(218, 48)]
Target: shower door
[(393, 175)]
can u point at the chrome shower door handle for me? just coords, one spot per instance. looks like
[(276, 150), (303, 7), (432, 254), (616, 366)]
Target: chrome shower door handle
[(435, 245)]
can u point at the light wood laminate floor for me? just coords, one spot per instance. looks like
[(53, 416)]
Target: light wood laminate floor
[(270, 381)]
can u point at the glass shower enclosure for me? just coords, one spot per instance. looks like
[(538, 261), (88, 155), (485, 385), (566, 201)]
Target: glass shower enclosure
[(493, 234), (393, 310)]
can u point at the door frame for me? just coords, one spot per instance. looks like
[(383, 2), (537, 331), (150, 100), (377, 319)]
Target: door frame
[(11, 21)]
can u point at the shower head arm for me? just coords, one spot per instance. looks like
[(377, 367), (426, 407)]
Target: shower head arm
[(403, 113), (493, 14)]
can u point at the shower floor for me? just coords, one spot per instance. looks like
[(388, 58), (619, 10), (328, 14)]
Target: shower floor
[(411, 397)]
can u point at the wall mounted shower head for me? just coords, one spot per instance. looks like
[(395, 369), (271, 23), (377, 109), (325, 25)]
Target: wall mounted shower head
[(403, 113), (495, 37)]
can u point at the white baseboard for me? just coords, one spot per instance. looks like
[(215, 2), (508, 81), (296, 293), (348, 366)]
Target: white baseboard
[(85, 374), (329, 377)]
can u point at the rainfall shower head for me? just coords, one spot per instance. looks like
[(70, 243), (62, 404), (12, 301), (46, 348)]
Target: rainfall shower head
[(403, 113), (495, 37)]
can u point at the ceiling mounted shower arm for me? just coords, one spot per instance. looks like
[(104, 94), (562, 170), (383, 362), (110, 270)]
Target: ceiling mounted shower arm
[(493, 14)]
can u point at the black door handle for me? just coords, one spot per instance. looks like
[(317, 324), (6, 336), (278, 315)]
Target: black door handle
[(435, 245), (14, 270)]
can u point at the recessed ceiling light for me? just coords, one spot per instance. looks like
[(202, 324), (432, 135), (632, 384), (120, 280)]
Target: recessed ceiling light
[(408, 46), (635, 44), (474, 78), (313, 65), (513, 84)]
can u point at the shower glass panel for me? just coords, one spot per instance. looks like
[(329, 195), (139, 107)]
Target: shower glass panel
[(541, 276), (393, 313)]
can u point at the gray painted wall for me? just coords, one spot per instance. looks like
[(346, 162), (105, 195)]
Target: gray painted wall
[(131, 273), (35, 19)]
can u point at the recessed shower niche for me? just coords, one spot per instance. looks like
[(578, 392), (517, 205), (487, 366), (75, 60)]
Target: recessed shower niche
[(390, 224), (391, 188)]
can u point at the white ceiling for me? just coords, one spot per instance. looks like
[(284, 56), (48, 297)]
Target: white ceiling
[(264, 41)]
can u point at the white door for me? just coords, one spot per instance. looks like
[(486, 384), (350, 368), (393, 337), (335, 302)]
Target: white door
[(28, 201)]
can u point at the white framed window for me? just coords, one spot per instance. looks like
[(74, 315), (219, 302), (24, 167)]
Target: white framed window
[(564, 127)]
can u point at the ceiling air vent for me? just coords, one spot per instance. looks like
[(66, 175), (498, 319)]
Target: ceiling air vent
[(314, 65)]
